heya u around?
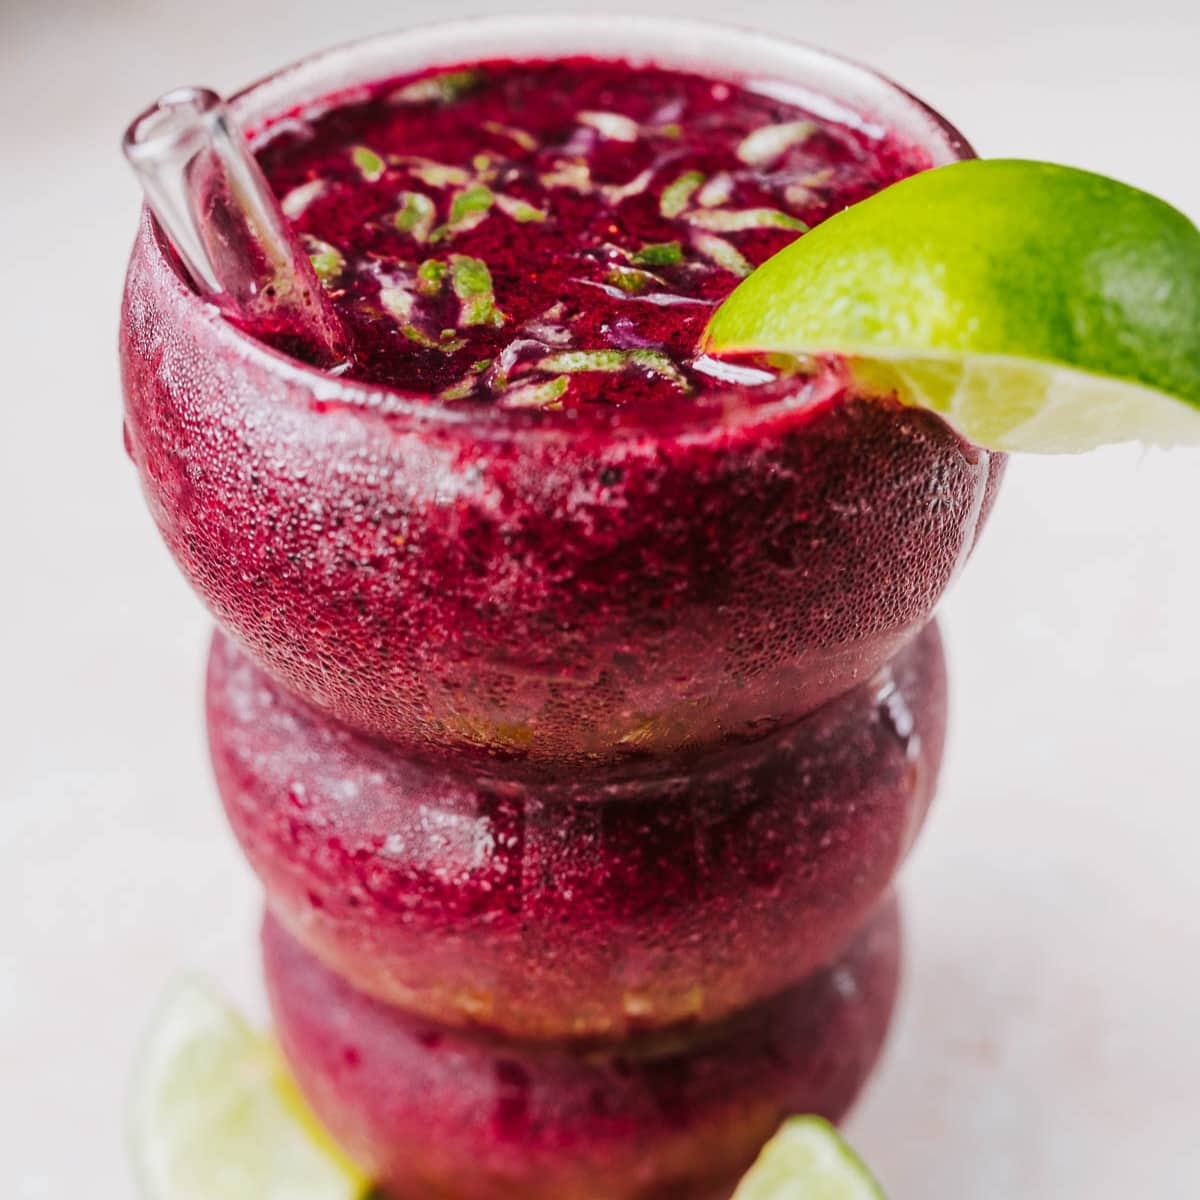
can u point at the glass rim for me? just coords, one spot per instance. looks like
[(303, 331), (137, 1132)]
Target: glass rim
[(846, 90)]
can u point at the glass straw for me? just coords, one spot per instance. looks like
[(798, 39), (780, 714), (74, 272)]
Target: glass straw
[(216, 208)]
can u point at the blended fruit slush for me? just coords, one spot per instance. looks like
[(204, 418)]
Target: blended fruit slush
[(584, 907), (528, 522)]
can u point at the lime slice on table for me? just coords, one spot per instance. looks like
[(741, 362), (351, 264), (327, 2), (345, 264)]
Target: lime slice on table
[(215, 1115), (807, 1160), (1035, 307)]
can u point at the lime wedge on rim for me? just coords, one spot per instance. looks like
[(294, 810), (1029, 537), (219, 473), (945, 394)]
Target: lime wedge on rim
[(215, 1115), (807, 1160), (1035, 307)]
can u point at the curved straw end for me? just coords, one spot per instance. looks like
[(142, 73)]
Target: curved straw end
[(214, 204)]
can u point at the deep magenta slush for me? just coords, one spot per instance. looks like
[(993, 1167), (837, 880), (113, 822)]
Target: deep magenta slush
[(554, 535), (592, 908)]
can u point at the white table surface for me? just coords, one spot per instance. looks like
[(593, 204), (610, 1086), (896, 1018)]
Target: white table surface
[(1048, 1042)]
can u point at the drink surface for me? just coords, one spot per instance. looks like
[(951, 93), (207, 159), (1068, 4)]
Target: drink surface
[(484, 230)]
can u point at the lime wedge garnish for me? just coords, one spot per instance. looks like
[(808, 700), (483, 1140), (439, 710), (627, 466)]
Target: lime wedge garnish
[(215, 1115), (1035, 307), (807, 1160)]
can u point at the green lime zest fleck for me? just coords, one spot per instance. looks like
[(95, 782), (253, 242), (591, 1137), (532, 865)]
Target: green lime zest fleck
[(677, 195), (765, 145), (716, 191), (574, 175), (370, 166), (446, 343), (614, 193), (468, 384), (468, 210), (724, 253), (547, 395), (631, 280), (520, 136), (574, 362), (614, 126), (460, 390), (658, 254), (472, 282), (327, 260), (723, 220), (443, 88), (415, 215), (477, 198), (431, 275), (401, 304), (435, 174), (520, 211)]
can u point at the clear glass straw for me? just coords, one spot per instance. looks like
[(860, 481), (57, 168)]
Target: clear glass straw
[(217, 210)]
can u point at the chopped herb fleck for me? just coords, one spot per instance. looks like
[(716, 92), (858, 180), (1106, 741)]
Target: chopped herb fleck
[(431, 274), (537, 395), (468, 383), (716, 191), (460, 390), (659, 254), (678, 194), (631, 280), (400, 304), (525, 140), (415, 215), (327, 260), (472, 283), (724, 254), (611, 125), (722, 220), (398, 301), (477, 198), (574, 175), (299, 198), (658, 363), (436, 174), (370, 166), (765, 145), (572, 362), (615, 193), (519, 210), (468, 210), (801, 192), (444, 88)]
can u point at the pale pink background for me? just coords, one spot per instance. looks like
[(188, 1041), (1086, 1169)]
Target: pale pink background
[(1048, 1045)]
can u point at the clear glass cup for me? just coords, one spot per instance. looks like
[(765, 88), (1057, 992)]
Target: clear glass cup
[(636, 715), (523, 587)]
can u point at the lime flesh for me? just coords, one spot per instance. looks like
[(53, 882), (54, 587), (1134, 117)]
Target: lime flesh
[(215, 1115), (1036, 307), (807, 1160)]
